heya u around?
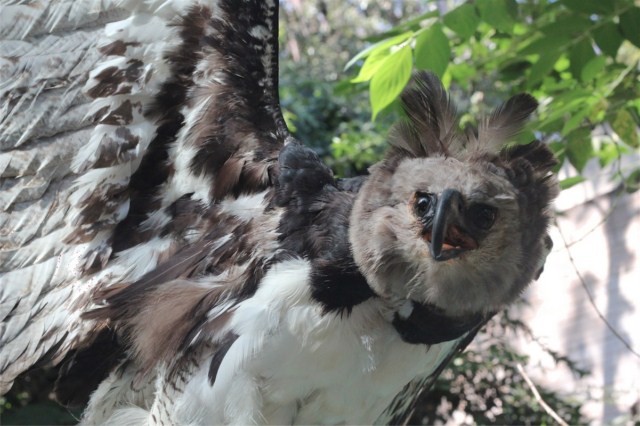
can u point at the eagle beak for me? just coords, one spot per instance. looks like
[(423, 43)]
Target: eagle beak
[(448, 236)]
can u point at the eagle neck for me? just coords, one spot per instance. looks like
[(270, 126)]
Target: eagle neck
[(425, 323), (336, 280)]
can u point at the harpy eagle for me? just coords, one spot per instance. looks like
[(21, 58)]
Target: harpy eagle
[(187, 261)]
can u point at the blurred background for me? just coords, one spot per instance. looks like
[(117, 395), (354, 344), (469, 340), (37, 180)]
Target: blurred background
[(569, 351)]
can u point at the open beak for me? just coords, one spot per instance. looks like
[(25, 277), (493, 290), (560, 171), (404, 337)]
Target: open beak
[(447, 236)]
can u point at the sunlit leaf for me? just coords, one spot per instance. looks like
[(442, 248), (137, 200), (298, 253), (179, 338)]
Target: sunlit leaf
[(463, 20), (625, 126), (390, 79), (561, 64), (290, 120), (572, 181), (630, 25), (375, 55), (593, 68), (609, 152), (432, 50)]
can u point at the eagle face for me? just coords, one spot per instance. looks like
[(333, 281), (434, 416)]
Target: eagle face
[(448, 230), (452, 227)]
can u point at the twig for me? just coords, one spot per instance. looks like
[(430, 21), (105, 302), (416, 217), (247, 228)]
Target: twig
[(541, 401), (618, 196), (409, 416), (590, 296)]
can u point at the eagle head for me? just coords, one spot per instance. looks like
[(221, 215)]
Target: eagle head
[(454, 219)]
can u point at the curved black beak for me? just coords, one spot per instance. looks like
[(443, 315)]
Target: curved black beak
[(448, 239)]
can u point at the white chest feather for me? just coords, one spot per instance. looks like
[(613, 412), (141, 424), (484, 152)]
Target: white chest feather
[(292, 363)]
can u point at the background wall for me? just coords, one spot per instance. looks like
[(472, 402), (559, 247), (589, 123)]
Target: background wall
[(601, 228)]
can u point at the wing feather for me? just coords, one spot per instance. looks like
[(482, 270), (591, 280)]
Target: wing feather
[(110, 112), (403, 405), (32, 18)]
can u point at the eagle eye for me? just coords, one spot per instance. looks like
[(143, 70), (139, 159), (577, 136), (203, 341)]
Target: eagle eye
[(424, 203), (482, 215)]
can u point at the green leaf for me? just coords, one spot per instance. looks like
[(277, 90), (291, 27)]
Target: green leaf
[(625, 126), (608, 38), (544, 44), (541, 68), (568, 103), (412, 24), (579, 148), (371, 65), (590, 6), (433, 51), (607, 153), (572, 181), (632, 181), (557, 147), (498, 13), (575, 120), (375, 55), (560, 152), (561, 64), (593, 68), (463, 20), (512, 71), (390, 79), (579, 55), (569, 96), (524, 137), (462, 73), (567, 25), (630, 25)]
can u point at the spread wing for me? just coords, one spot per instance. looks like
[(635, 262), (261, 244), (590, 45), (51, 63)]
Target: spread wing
[(119, 120)]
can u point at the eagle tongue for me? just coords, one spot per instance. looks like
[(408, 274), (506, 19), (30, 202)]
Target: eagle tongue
[(456, 238)]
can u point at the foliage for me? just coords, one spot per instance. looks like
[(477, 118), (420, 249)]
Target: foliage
[(29, 403), (336, 128), (330, 115), (483, 384), (578, 57)]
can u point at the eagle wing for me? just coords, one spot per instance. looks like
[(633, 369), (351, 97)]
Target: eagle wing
[(402, 407), (119, 122)]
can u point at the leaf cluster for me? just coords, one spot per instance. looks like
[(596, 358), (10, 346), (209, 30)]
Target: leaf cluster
[(578, 57), (483, 385)]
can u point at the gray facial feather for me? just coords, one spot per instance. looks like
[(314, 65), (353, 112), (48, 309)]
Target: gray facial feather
[(388, 238)]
